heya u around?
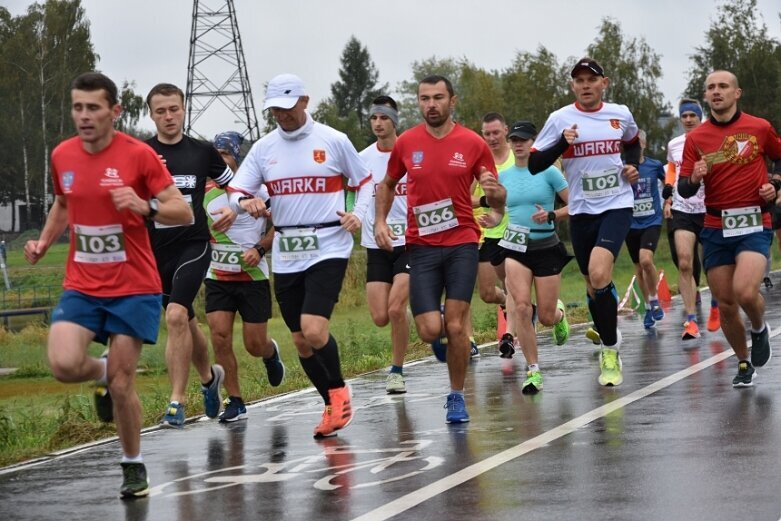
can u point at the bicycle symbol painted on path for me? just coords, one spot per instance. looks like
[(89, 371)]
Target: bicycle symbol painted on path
[(391, 464)]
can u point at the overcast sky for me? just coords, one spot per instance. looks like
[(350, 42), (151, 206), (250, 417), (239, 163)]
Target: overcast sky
[(147, 41)]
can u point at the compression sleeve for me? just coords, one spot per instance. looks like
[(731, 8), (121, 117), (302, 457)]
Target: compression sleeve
[(540, 160)]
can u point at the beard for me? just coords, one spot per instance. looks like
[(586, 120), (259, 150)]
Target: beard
[(435, 120)]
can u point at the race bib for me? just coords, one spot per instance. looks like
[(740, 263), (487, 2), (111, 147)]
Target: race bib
[(435, 217), (189, 199), (643, 207), (515, 238), (298, 244), (398, 228), (99, 244), (741, 221), (226, 257), (600, 184)]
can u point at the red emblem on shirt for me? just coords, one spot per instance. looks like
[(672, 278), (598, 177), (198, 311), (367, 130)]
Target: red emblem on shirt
[(318, 156), (615, 124)]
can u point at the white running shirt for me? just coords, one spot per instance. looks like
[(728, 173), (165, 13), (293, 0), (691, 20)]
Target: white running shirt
[(377, 161), (696, 203), (303, 172), (593, 162)]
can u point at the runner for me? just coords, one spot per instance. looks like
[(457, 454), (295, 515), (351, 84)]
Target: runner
[(531, 250), (182, 252), (103, 181), (237, 280), (687, 216), (644, 232), (387, 274), (303, 164), (441, 159), (589, 133), (727, 154)]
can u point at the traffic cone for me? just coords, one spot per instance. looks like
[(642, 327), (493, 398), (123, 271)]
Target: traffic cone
[(501, 323), (663, 290)]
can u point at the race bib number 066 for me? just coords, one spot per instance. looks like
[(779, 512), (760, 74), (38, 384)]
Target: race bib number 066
[(435, 217)]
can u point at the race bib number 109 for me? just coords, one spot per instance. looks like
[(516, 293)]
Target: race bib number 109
[(600, 184)]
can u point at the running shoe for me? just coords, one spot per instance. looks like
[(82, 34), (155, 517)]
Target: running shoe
[(211, 394), (135, 482), (474, 352), (104, 406), (506, 348), (456, 409), (174, 416), (657, 312), (714, 319), (341, 406), (533, 383), (234, 410), (610, 367), (561, 330), (761, 352), (593, 335), (648, 320), (325, 428), (275, 369), (745, 376), (439, 347), (394, 384), (690, 330)]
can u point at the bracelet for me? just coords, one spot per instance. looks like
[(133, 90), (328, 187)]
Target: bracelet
[(260, 249), (551, 217), (484, 202)]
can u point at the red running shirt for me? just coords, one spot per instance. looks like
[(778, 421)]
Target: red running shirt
[(110, 254), (440, 173)]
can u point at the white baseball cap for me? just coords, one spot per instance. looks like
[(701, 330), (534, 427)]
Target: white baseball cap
[(283, 91)]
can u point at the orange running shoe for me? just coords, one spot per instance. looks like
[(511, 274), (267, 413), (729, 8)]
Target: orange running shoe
[(690, 330), (326, 427), (714, 319), (341, 407)]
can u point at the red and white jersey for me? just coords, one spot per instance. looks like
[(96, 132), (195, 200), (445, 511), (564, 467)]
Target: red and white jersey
[(696, 203), (304, 172), (110, 254), (593, 162), (377, 161)]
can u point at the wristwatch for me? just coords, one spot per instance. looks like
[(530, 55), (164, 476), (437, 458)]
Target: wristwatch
[(152, 211)]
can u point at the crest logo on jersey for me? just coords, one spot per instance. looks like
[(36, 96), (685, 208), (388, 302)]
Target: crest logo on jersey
[(318, 156), (615, 124), (113, 173), (111, 178), (67, 181), (740, 148), (417, 157), (457, 160)]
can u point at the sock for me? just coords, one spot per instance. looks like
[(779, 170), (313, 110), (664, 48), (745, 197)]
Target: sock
[(654, 302), (606, 314), (533, 368), (103, 380), (396, 369), (329, 357), (174, 403), (317, 375), (592, 306), (691, 318), (757, 331), (211, 380), (453, 391), (128, 459)]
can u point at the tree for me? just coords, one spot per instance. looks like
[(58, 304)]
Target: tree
[(634, 71), (409, 115), (357, 87), (328, 113), (737, 41), (133, 107)]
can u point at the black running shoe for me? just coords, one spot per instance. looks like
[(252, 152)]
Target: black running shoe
[(135, 483), (761, 352), (745, 376), (506, 347)]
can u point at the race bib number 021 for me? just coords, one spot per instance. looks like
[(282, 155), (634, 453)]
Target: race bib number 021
[(226, 257), (741, 221), (435, 217), (515, 238), (298, 245), (600, 184), (99, 244), (643, 207)]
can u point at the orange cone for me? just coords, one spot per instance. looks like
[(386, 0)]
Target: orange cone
[(663, 290), (501, 323)]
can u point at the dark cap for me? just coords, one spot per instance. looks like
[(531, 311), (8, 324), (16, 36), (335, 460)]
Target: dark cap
[(523, 130), (590, 65)]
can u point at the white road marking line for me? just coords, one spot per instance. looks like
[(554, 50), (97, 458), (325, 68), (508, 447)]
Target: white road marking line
[(417, 497)]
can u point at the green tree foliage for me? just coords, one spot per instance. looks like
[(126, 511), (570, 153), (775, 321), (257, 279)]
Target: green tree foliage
[(328, 113), (737, 41), (634, 71), (133, 108), (409, 114)]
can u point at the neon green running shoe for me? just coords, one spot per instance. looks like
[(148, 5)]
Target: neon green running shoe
[(561, 330), (533, 383), (610, 367), (593, 335)]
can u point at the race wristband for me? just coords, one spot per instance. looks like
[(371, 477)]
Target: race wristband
[(484, 202)]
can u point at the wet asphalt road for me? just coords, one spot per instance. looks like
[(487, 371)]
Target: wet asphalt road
[(674, 441)]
